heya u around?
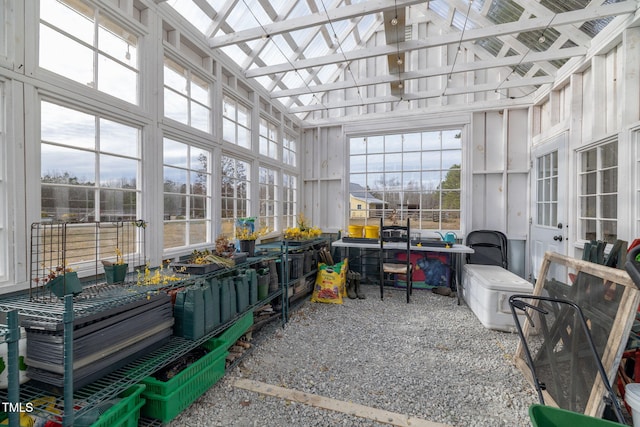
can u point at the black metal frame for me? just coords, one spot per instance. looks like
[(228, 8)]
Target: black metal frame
[(395, 233)]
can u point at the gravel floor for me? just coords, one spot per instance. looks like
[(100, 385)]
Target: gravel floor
[(429, 359)]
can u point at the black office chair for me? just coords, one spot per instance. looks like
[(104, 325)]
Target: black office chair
[(390, 266)]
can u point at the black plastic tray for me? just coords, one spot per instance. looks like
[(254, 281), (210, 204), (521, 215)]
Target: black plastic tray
[(359, 240)]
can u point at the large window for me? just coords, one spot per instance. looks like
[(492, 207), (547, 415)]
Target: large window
[(290, 201), (187, 199), (598, 193), (89, 166), (408, 175), (186, 96), (268, 197), (289, 150), (269, 139), (234, 192), (236, 123), (78, 42)]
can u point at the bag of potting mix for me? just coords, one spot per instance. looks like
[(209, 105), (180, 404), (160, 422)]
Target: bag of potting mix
[(329, 283)]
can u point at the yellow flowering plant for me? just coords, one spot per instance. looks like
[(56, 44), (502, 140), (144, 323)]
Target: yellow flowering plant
[(159, 276), (245, 233), (303, 231)]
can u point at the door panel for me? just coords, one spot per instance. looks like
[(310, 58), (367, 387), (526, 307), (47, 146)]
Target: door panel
[(548, 204)]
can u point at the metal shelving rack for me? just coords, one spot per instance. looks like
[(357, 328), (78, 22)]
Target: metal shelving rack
[(287, 248), (97, 297)]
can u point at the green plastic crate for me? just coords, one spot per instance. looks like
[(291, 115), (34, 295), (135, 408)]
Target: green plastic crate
[(126, 412), (239, 327), (165, 408), (215, 347), (549, 416)]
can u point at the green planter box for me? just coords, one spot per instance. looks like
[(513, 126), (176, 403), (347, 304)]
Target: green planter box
[(165, 407), (126, 412), (549, 416), (215, 347), (235, 331), (68, 283), (115, 273)]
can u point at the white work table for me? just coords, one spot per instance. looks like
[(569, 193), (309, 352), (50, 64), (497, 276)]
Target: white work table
[(456, 249)]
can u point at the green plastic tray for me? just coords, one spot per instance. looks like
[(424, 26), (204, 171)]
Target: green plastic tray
[(549, 416), (239, 327), (166, 408), (215, 347), (126, 412)]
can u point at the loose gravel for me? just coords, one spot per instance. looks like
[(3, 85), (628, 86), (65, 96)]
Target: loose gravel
[(429, 359)]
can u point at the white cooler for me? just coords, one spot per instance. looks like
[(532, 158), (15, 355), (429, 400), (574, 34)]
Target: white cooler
[(486, 290)]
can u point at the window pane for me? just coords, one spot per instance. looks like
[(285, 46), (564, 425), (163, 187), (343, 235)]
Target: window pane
[(62, 165), (117, 80), (66, 57), (66, 126), (175, 153), (176, 106), (117, 138), (175, 180), (118, 172)]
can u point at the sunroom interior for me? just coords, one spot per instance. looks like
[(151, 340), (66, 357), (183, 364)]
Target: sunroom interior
[(513, 115), (154, 129)]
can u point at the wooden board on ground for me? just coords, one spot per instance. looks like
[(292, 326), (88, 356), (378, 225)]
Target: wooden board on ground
[(350, 408)]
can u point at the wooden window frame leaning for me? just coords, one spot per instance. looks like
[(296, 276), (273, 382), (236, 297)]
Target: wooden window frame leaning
[(617, 336)]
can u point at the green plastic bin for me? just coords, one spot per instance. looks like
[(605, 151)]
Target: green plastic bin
[(126, 412), (215, 347), (549, 416), (235, 331), (167, 407)]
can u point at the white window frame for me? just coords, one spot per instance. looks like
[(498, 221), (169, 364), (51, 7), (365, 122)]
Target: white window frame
[(598, 194)]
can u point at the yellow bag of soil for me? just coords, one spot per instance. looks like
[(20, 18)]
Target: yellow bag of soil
[(330, 283)]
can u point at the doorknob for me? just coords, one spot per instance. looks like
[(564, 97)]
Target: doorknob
[(558, 237)]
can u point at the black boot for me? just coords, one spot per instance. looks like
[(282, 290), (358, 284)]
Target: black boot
[(351, 285), (359, 293)]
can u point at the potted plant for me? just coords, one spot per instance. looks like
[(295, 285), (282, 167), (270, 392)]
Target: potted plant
[(247, 235), (115, 272), (303, 231), (205, 261), (62, 281)]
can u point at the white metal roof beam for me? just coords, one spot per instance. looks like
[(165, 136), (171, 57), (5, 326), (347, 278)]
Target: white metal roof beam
[(453, 38), (441, 71), (320, 18), (435, 93)]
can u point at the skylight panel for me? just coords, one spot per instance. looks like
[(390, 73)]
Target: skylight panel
[(327, 72), (234, 52), (366, 23), (271, 54), (192, 13), (349, 43), (316, 48), (503, 11), (264, 81), (243, 18)]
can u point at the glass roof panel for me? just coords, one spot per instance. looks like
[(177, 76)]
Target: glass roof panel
[(233, 51), (502, 11), (192, 13), (316, 48), (491, 45)]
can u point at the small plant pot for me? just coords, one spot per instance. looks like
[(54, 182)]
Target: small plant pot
[(263, 286), (115, 273), (67, 284), (248, 246)]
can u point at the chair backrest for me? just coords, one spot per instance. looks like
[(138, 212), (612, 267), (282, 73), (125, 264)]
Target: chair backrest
[(490, 248), (395, 233)]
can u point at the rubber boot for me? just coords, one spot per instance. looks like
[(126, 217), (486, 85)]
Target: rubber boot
[(351, 285), (359, 292)]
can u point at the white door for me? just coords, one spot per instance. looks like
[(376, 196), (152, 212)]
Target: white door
[(548, 203)]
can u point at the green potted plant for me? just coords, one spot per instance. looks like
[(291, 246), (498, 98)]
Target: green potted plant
[(62, 281), (115, 272)]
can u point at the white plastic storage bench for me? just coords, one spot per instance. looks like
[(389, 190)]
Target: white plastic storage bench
[(486, 290)]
